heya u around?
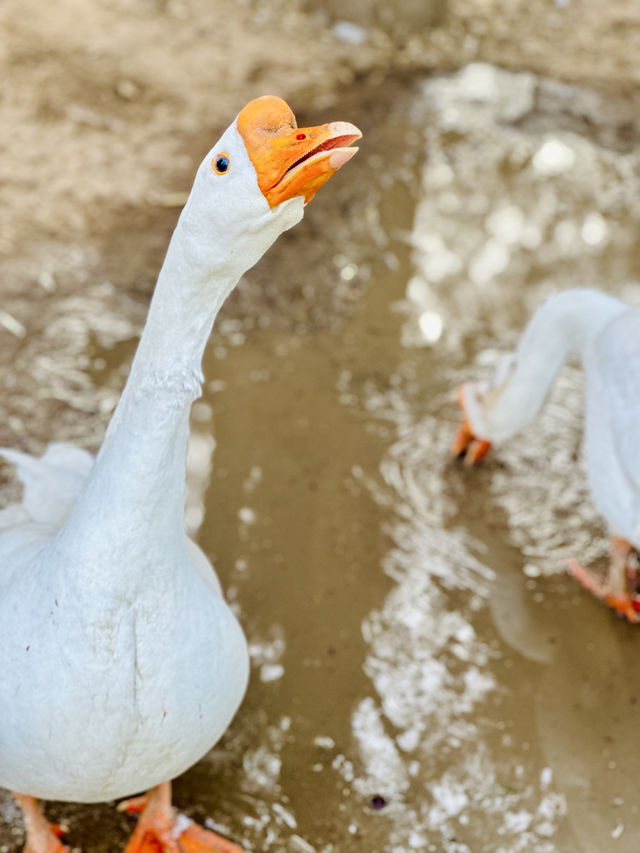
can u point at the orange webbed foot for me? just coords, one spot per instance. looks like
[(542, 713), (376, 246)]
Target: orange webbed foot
[(47, 845), (625, 605), (465, 443), (196, 839), (42, 836), (161, 829), (53, 845)]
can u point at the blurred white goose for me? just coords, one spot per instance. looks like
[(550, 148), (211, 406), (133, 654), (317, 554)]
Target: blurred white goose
[(121, 664), (605, 333)]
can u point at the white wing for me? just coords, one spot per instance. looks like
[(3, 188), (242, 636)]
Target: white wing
[(52, 482), (618, 365)]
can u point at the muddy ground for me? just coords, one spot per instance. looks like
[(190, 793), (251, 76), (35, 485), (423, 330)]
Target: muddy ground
[(324, 409)]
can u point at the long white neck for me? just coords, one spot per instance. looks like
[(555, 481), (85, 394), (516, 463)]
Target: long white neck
[(564, 325), (135, 492)]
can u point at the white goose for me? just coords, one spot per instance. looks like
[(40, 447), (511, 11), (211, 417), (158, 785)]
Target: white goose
[(605, 333), (121, 664)]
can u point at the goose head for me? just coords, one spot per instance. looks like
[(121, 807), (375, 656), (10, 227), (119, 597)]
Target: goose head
[(485, 416), (254, 183)]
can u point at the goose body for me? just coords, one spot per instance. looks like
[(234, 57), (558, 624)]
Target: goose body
[(605, 333), (121, 662), (612, 423), (137, 679)]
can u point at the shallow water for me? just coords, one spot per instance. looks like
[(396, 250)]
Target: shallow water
[(417, 645), (425, 677)]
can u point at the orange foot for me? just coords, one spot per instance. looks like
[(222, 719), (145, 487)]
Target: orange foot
[(465, 442), (42, 836), (161, 829), (624, 604)]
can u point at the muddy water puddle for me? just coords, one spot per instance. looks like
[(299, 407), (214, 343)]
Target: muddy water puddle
[(425, 677)]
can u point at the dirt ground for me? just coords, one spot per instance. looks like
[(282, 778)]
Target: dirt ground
[(106, 107)]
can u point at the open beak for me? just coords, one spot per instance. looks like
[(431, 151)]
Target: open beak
[(290, 160)]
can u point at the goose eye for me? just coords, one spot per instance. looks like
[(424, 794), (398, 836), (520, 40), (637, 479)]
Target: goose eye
[(221, 163)]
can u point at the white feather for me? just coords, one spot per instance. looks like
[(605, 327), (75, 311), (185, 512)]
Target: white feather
[(612, 423), (52, 482)]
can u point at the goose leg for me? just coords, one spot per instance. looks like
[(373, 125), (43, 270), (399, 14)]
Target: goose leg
[(42, 836), (465, 442), (617, 588), (161, 829)]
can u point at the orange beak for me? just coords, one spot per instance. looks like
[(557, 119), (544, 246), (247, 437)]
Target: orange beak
[(290, 160)]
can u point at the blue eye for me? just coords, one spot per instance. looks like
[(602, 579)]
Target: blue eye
[(221, 163)]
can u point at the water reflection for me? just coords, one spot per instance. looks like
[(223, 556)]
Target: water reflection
[(452, 769), (483, 702), (455, 735)]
